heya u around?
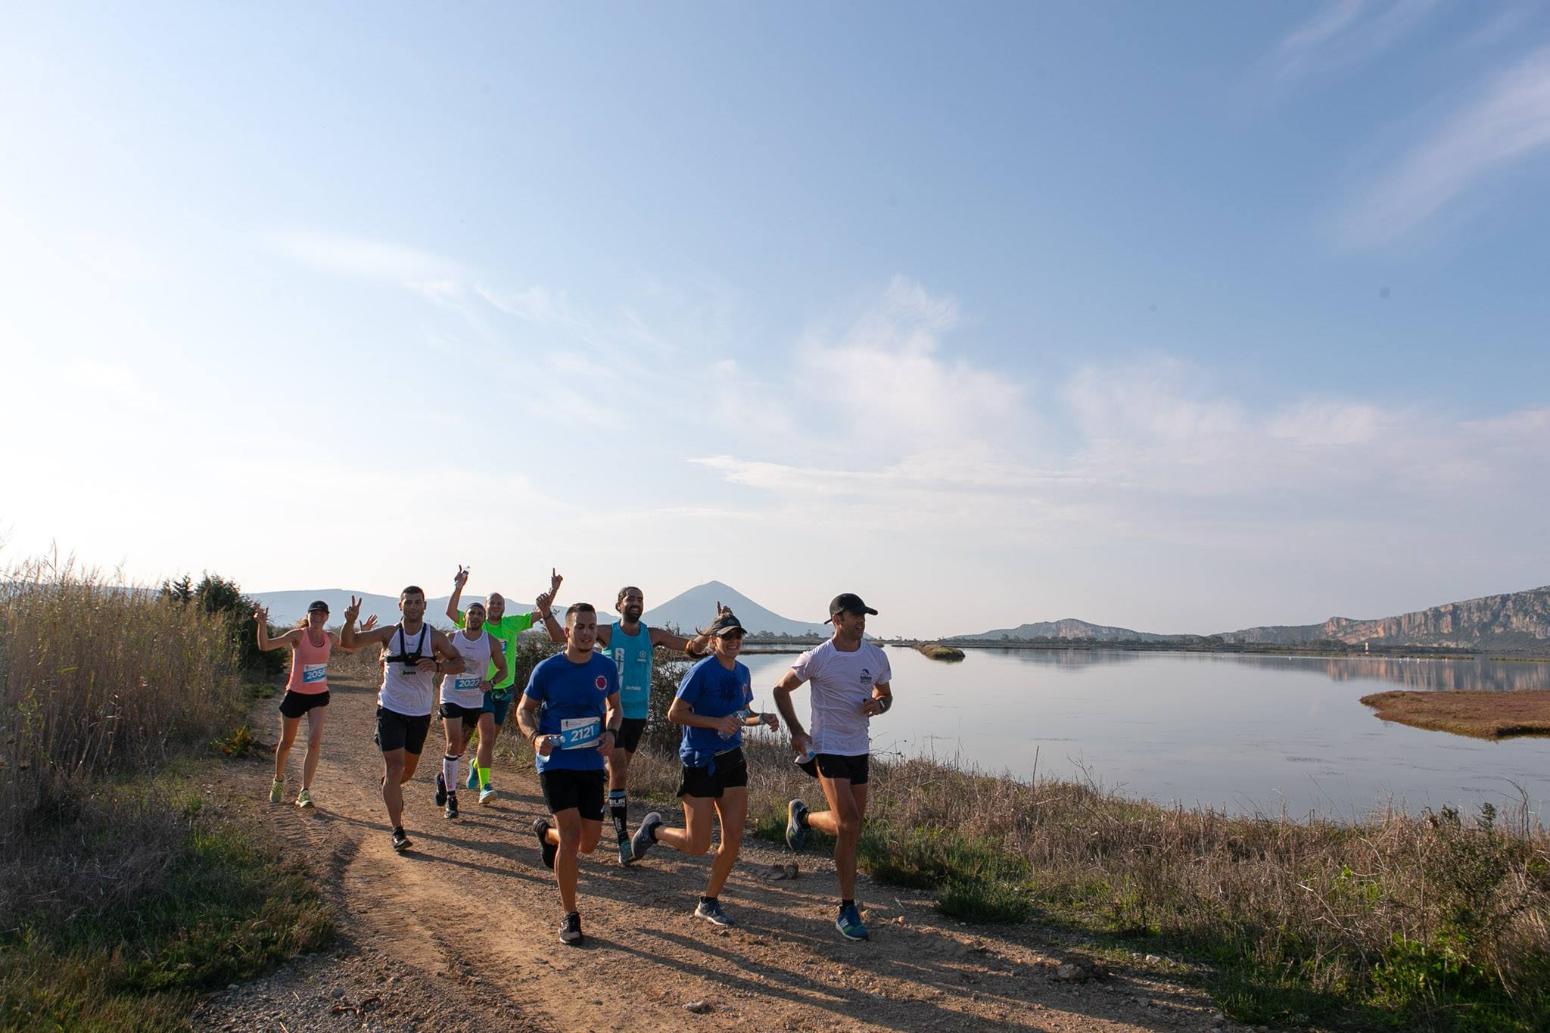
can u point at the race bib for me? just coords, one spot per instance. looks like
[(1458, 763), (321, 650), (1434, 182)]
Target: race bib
[(465, 682), (579, 732), (313, 673)]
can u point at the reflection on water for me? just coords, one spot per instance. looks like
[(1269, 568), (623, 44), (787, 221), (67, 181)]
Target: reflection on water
[(1249, 734), (1442, 675)]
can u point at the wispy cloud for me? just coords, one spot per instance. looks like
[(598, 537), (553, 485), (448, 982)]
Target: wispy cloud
[(1507, 123), (1346, 33)]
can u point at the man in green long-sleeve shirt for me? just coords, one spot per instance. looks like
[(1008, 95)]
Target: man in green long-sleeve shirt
[(497, 702)]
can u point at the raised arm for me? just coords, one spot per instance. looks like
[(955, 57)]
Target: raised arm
[(458, 581), (349, 639), (261, 620), (545, 607)]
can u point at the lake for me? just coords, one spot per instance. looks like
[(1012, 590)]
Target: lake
[(1247, 734)]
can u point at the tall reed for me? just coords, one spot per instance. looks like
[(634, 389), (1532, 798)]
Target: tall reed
[(97, 678)]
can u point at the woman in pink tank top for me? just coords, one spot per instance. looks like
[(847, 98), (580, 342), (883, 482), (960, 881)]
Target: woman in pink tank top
[(306, 691)]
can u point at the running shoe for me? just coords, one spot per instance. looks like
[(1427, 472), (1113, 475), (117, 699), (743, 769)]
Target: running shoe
[(645, 836), (304, 798), (441, 789), (452, 805), (570, 929), (546, 848), (277, 791), (710, 910), (473, 777), (400, 840), (849, 923), (796, 824), (626, 850), (486, 795)]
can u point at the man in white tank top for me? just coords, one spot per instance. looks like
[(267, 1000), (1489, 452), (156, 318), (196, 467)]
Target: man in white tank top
[(413, 652), (462, 697)]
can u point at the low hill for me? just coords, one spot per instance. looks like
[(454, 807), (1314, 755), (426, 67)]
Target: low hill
[(1067, 628)]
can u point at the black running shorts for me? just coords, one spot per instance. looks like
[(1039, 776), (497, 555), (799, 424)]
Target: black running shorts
[(295, 704), (731, 773), (578, 790), (397, 731), (470, 715), (629, 733), (836, 765)]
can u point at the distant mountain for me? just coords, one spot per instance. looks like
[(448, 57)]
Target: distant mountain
[(695, 608), (1068, 628), (1517, 620), (289, 607)]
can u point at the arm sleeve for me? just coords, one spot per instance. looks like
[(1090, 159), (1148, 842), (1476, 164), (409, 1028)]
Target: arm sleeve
[(806, 666), (689, 689), (885, 674), (534, 689), (520, 623)]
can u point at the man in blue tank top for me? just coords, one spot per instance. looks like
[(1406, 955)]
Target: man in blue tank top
[(632, 646)]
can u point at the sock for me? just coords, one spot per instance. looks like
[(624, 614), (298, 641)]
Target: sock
[(449, 764), (847, 903), (707, 900), (619, 809), (484, 778)]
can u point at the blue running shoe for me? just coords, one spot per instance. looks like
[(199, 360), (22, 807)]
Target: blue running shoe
[(849, 923), (796, 824), (645, 836), (710, 910), (473, 777)]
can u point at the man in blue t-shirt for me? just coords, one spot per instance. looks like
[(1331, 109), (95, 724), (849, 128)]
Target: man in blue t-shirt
[(714, 702), (570, 714)]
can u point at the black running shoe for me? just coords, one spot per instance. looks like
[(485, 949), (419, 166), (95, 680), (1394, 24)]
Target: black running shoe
[(452, 805), (548, 850), (441, 790), (570, 929), (400, 840)]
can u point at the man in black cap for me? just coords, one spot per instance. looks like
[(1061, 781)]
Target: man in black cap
[(850, 678)]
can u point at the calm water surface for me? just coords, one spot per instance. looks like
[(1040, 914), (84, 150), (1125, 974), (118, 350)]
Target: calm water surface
[(1247, 734)]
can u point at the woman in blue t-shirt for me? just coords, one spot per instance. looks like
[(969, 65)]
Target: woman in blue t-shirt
[(712, 704)]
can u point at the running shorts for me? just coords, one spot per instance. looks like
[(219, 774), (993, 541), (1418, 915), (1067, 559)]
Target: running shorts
[(397, 731), (470, 715), (497, 707), (295, 704), (581, 790), (731, 773), (836, 765), (629, 733)]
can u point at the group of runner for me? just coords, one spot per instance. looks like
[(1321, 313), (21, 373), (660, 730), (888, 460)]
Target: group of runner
[(583, 711)]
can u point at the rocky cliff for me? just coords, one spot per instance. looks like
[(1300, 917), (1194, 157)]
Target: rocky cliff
[(1517, 620)]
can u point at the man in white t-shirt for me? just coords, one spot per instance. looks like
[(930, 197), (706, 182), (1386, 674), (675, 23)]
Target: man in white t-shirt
[(850, 684)]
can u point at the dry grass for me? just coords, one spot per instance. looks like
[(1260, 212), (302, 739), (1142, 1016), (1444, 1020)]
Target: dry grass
[(96, 679), (1484, 715), (121, 892), (937, 651), (1433, 922)]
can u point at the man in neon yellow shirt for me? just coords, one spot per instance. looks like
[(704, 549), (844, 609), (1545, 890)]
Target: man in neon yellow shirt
[(504, 628)]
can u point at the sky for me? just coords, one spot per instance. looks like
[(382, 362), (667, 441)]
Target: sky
[(1182, 317)]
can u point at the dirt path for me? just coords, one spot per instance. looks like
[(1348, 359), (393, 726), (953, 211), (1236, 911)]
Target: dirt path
[(460, 933)]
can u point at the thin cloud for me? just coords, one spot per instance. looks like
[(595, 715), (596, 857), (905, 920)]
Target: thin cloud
[(1507, 124), (1346, 33), (363, 257)]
